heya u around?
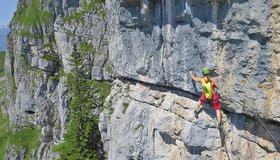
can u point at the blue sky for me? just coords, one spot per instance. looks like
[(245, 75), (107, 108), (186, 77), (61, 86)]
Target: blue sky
[(7, 9)]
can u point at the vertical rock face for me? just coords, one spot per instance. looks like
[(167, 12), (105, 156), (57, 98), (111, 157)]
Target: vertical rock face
[(33, 98), (156, 123), (150, 45), (238, 40), (275, 40), (39, 52), (169, 38)]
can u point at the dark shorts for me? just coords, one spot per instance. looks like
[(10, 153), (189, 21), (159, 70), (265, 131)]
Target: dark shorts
[(215, 100)]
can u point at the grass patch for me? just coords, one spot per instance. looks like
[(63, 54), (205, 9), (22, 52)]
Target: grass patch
[(244, 81), (260, 86), (25, 33), (4, 121), (87, 47), (52, 57), (104, 89), (4, 134), (87, 8), (32, 15), (140, 126), (124, 107), (2, 62), (109, 69), (111, 110), (70, 33), (47, 45), (27, 138)]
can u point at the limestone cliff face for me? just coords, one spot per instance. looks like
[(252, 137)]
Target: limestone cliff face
[(169, 38), (151, 122), (237, 39), (38, 53), (151, 45), (33, 98)]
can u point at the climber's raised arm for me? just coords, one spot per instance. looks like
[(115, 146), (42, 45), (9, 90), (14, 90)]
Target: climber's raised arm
[(196, 79)]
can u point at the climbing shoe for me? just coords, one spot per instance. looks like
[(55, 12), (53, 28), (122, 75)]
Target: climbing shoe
[(195, 114)]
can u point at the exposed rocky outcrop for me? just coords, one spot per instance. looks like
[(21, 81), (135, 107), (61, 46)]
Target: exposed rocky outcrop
[(151, 122), (169, 38), (150, 45)]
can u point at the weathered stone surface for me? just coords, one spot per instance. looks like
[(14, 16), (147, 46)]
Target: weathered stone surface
[(145, 130), (155, 42), (37, 92), (158, 42)]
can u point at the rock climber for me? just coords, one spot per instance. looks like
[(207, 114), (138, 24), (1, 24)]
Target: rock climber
[(209, 94)]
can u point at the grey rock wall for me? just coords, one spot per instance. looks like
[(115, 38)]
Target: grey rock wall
[(158, 42), (33, 95), (149, 122), (37, 92)]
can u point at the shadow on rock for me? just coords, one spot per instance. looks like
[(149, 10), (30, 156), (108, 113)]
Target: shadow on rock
[(145, 15), (259, 131)]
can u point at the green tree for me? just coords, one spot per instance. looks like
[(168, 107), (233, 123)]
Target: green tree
[(83, 140)]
